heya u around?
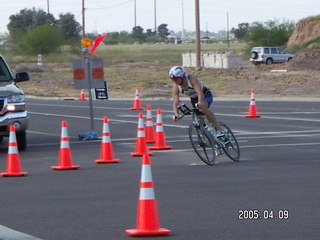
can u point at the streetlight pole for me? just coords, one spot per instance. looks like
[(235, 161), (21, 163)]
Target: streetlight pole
[(198, 47)]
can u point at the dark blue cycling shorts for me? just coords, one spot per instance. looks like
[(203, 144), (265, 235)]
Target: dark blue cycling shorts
[(207, 97)]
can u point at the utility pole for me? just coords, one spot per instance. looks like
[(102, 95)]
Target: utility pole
[(83, 20), (48, 11), (198, 47), (228, 29), (182, 33), (135, 13), (155, 16), (48, 7)]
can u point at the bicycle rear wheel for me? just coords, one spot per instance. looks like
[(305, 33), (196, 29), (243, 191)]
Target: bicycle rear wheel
[(231, 148), (202, 144)]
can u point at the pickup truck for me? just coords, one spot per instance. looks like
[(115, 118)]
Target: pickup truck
[(12, 104)]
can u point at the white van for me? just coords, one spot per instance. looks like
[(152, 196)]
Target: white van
[(269, 55)]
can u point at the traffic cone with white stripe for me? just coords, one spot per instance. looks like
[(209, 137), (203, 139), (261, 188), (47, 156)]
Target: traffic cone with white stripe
[(147, 214), (141, 145), (160, 142), (13, 168), (150, 135), (106, 153), (137, 104), (253, 108), (65, 156)]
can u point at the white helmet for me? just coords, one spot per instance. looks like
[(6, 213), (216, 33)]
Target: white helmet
[(176, 72)]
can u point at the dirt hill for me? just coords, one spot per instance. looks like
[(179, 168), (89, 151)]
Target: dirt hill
[(304, 32)]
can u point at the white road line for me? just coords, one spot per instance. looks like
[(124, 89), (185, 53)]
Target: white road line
[(280, 145)]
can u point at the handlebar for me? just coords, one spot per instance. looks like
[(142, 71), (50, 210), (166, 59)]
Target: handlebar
[(183, 108)]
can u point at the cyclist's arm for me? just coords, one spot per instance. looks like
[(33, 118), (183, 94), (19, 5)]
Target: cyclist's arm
[(175, 99), (195, 83)]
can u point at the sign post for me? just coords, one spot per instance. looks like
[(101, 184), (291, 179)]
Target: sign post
[(88, 73)]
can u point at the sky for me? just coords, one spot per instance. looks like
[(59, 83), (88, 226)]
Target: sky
[(102, 16)]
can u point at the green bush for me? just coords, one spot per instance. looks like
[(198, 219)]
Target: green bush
[(270, 33), (41, 40)]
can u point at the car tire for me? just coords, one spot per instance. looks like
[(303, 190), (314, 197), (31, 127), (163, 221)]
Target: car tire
[(269, 61), (22, 140), (254, 55)]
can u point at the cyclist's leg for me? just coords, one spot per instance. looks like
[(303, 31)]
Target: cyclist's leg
[(208, 113)]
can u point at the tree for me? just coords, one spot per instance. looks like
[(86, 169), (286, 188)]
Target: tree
[(271, 33), (41, 40), (241, 31), (28, 19), (163, 31), (70, 27), (137, 33)]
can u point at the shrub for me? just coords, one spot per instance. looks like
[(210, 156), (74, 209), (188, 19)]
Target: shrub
[(41, 40)]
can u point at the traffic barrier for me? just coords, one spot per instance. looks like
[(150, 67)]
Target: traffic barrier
[(160, 142), (150, 135), (13, 168), (82, 96), (137, 103), (106, 153), (147, 214), (141, 145), (65, 156), (253, 112)]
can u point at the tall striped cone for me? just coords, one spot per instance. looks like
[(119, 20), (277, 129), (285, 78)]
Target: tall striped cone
[(160, 143), (65, 156), (150, 135), (13, 168), (82, 95), (147, 214), (137, 104), (141, 145), (252, 108), (106, 153)]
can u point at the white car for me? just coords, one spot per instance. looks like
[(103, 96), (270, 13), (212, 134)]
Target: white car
[(269, 55)]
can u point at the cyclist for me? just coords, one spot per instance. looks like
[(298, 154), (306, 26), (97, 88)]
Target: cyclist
[(201, 96)]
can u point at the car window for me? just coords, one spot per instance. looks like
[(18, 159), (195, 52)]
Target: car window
[(257, 49), (274, 51), (4, 71), (280, 50), (266, 50)]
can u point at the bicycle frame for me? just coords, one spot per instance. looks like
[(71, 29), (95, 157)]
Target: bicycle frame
[(196, 119)]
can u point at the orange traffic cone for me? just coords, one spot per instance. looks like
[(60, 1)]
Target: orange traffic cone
[(65, 156), (147, 214), (150, 136), (82, 95), (106, 154), (252, 108), (141, 145), (137, 104), (160, 143), (13, 159)]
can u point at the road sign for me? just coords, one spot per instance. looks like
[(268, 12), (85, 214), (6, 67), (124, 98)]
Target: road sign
[(101, 93), (80, 74)]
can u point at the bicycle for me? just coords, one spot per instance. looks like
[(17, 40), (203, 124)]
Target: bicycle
[(204, 143)]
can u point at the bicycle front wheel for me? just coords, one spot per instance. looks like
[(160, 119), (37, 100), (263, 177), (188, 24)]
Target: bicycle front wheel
[(231, 148), (202, 144)]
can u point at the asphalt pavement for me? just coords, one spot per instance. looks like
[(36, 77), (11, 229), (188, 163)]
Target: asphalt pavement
[(272, 193)]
